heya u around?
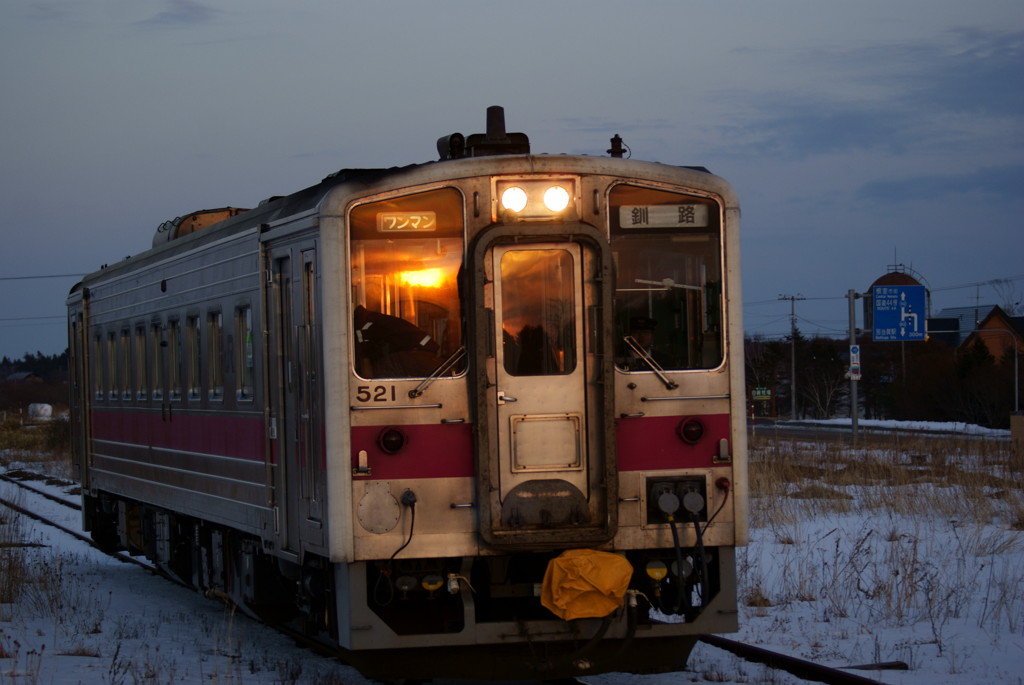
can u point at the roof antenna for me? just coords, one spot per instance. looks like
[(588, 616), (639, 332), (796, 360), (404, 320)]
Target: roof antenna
[(618, 148)]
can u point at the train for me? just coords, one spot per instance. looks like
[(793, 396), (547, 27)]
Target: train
[(479, 417)]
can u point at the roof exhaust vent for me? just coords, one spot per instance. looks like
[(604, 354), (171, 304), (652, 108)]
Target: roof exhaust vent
[(496, 124), (495, 142)]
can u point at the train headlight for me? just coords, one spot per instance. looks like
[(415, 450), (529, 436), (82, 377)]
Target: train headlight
[(556, 198), (548, 198), (513, 199)]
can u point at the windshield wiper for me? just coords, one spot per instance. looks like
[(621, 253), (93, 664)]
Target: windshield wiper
[(444, 367), (649, 360), (667, 284)]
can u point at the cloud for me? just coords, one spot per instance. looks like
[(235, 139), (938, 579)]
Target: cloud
[(182, 13), (978, 72), (600, 125), (890, 98), (800, 128), (1003, 182)]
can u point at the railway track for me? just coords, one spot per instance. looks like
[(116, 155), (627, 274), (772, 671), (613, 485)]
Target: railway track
[(23, 480), (801, 668), (806, 670)]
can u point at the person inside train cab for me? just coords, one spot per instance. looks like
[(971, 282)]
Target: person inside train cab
[(391, 347), (641, 331)]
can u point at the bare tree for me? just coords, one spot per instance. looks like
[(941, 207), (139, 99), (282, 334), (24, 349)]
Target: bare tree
[(824, 377), (1011, 299)]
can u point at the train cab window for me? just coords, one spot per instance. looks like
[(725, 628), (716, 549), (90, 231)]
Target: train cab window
[(537, 312), (215, 354), (174, 360), (668, 284), (192, 358), (244, 359), (156, 349), (140, 357), (405, 254)]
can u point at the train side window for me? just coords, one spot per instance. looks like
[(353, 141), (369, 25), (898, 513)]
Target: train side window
[(192, 358), (244, 360), (215, 355), (174, 360), (74, 355), (156, 361), (405, 258), (667, 249), (111, 364), (141, 376), (124, 371), (97, 366)]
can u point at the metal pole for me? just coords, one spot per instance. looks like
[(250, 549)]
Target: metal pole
[(854, 404), (792, 361), (792, 352)]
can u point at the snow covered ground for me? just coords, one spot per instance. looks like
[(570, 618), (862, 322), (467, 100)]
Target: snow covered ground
[(949, 427), (93, 619), (853, 582)]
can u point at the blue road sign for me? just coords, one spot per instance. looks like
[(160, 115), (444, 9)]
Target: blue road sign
[(899, 312)]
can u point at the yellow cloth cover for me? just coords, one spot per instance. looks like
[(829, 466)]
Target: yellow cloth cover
[(585, 583)]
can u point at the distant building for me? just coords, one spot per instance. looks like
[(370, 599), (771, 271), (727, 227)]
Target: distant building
[(958, 322), (23, 377), (999, 332)]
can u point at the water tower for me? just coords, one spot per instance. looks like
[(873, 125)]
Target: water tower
[(899, 274)]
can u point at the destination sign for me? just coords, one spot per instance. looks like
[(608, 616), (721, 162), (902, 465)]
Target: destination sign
[(663, 216), (406, 222)]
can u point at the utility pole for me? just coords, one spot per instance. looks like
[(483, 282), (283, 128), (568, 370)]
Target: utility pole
[(792, 351), (854, 363)]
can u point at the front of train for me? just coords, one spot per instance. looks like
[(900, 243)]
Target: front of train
[(545, 403)]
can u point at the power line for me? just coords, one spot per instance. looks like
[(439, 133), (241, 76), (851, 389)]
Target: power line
[(48, 275), (30, 318), (787, 297), (991, 281), (978, 283)]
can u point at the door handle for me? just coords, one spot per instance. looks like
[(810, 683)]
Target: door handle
[(503, 398)]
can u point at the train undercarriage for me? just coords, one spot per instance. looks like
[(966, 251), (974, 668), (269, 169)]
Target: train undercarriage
[(454, 603)]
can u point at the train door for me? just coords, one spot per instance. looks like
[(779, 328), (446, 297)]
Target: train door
[(79, 395), (309, 445), (546, 465), (294, 392)]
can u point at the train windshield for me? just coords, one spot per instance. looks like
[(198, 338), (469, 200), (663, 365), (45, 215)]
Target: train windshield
[(668, 286), (405, 258)]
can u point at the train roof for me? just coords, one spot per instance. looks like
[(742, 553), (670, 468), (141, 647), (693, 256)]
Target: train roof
[(460, 157)]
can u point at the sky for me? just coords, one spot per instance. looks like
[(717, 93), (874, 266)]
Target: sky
[(858, 136)]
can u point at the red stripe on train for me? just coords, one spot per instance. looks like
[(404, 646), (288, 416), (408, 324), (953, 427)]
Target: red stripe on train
[(230, 436), (446, 451), (430, 451), (653, 443)]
